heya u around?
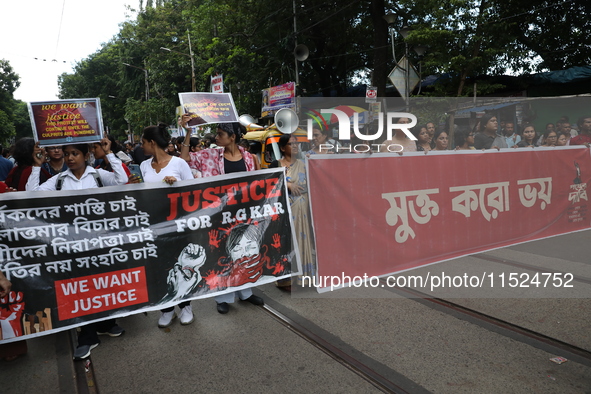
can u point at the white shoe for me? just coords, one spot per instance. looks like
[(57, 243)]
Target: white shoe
[(187, 315), (166, 319)]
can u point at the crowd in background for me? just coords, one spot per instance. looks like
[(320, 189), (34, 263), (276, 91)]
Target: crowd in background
[(487, 133)]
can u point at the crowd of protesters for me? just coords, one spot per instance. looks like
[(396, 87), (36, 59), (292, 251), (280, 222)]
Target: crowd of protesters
[(487, 133), (28, 167)]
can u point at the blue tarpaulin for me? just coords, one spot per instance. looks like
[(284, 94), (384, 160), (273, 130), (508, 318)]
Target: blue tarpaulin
[(486, 107), (572, 74)]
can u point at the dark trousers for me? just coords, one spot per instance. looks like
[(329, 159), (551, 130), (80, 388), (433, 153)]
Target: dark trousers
[(88, 333)]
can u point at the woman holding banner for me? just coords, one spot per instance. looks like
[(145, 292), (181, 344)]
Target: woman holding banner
[(162, 167), (297, 185), (80, 176), (440, 140), (228, 158), (529, 137), (423, 141)]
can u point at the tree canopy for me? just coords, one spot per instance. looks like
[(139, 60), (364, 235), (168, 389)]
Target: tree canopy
[(9, 82), (251, 43)]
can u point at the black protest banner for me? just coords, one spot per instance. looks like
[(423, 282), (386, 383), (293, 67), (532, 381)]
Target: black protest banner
[(81, 256)]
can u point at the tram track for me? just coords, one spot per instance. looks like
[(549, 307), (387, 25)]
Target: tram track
[(500, 326), (516, 264), (400, 384), (379, 375), (85, 379)]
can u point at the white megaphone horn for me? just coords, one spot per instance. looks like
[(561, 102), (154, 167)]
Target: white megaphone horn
[(248, 122), (286, 121)]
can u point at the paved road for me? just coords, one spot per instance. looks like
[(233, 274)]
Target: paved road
[(350, 341)]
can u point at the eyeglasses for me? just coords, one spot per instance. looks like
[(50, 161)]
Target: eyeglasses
[(53, 148)]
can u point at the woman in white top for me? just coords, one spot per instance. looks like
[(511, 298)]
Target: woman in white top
[(163, 167), (78, 176)]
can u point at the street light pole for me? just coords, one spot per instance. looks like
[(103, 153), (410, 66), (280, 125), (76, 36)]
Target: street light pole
[(192, 64), (295, 58), (404, 33), (191, 55), (147, 86)]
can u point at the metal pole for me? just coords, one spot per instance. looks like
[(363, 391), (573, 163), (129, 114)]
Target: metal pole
[(147, 86), (407, 79), (297, 77), (192, 64), (392, 40)]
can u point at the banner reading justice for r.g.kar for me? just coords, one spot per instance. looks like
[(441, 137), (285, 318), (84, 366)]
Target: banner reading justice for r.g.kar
[(75, 257)]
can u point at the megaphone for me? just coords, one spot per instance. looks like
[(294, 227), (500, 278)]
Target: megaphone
[(286, 120), (301, 52), (248, 122)]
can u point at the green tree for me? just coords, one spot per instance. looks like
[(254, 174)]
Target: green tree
[(22, 121), (251, 43), (9, 82), (555, 32)]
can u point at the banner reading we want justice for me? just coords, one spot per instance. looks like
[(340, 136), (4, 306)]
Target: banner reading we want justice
[(394, 213), (76, 257)]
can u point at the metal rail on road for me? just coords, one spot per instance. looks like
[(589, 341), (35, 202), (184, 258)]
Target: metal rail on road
[(491, 323), (387, 380)]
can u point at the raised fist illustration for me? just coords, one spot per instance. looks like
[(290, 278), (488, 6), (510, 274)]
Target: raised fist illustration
[(184, 276), (12, 308)]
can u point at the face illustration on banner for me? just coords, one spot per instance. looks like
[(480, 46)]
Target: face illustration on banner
[(244, 251), (244, 248), (247, 258), (244, 265)]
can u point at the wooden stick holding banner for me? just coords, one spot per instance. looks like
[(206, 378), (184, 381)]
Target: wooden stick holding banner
[(64, 122), (206, 108)]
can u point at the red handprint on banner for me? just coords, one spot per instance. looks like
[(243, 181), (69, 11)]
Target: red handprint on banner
[(214, 241), (279, 267), (276, 241), (11, 311)]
